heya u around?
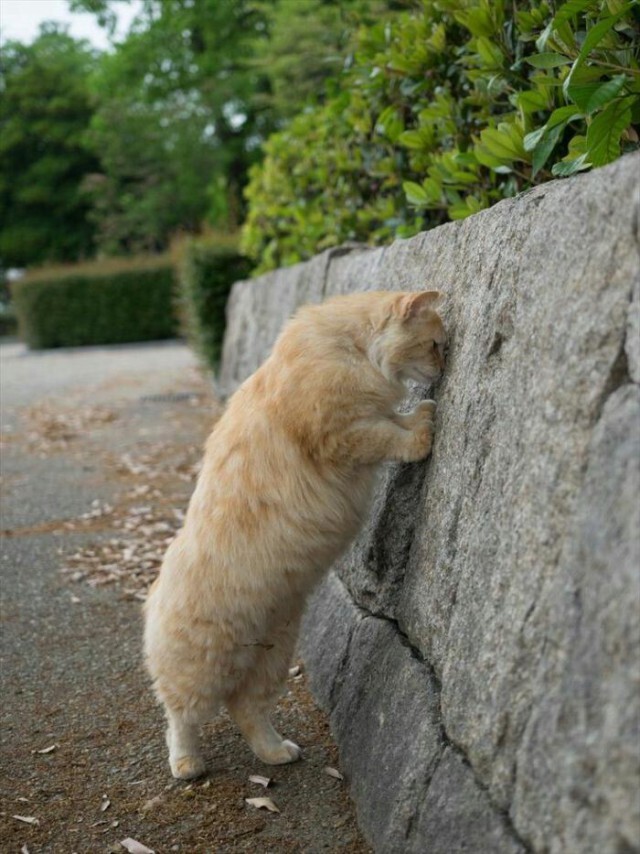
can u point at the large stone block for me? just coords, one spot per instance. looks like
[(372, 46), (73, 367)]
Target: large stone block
[(410, 785), (489, 606)]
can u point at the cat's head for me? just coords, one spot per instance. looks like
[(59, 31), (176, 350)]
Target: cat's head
[(410, 340)]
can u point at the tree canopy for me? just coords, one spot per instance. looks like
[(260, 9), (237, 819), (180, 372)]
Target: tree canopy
[(45, 111), (311, 121), (119, 151), (185, 102)]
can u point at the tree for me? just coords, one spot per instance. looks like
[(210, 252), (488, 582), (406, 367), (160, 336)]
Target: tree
[(185, 67), (308, 43), (44, 113), (213, 77), (155, 167)]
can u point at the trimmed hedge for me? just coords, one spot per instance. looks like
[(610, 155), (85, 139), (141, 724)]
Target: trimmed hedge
[(205, 276), (8, 321), (113, 303)]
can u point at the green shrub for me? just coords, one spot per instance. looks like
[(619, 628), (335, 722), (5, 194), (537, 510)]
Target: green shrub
[(205, 276), (8, 321), (101, 303), (444, 111)]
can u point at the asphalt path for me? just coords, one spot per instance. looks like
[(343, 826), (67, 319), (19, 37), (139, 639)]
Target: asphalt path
[(82, 758)]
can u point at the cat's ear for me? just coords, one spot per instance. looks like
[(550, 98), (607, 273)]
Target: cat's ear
[(415, 304)]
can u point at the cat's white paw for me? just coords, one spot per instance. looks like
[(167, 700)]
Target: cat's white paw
[(294, 751), (426, 408), (287, 751), (187, 767)]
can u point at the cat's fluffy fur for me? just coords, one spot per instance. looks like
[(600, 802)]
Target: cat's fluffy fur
[(286, 481)]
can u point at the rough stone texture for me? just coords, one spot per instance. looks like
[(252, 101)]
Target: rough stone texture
[(479, 646)]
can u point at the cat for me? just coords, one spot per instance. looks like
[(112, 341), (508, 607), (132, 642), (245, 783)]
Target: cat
[(286, 482)]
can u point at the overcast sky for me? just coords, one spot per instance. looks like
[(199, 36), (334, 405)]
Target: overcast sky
[(20, 19)]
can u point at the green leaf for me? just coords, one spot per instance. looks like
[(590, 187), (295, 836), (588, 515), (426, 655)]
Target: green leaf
[(543, 141), (599, 95), (417, 139), (477, 21), (416, 195), (464, 208), (433, 189), (604, 132), (593, 38), (569, 10), (599, 31), (489, 52), (543, 150), (438, 40), (568, 167), (532, 139), (558, 118), (543, 38), (390, 123), (531, 101), (504, 142), (548, 60), (563, 115)]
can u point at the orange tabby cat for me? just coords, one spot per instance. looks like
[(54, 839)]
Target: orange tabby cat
[(286, 482)]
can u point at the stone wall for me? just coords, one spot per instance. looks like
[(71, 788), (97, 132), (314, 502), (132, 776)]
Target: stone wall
[(478, 648)]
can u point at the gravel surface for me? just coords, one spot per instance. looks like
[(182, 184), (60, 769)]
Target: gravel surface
[(100, 452)]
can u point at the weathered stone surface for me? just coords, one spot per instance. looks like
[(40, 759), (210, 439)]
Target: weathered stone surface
[(489, 607), (410, 786), (457, 815), (579, 748)]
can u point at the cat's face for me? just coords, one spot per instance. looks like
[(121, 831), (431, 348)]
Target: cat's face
[(414, 338)]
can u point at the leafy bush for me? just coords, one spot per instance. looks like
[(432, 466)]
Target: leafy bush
[(8, 320), (101, 303), (45, 109), (444, 111), (205, 276)]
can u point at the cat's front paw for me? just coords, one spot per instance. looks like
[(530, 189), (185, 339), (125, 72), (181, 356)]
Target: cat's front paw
[(187, 767), (424, 414), (287, 751), (426, 409)]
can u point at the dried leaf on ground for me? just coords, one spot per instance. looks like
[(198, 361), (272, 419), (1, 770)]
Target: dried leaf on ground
[(131, 560), (50, 429), (152, 803), (333, 772), (260, 780), (135, 847), (49, 749), (27, 819), (262, 803)]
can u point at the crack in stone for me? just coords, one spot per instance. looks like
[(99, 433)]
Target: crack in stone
[(445, 738)]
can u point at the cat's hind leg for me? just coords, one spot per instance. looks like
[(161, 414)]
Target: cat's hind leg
[(185, 756), (252, 703), (252, 719)]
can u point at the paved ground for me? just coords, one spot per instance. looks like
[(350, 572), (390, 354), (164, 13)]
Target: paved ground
[(100, 450)]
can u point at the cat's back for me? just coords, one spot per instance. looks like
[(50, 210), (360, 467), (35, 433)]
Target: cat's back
[(315, 383)]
